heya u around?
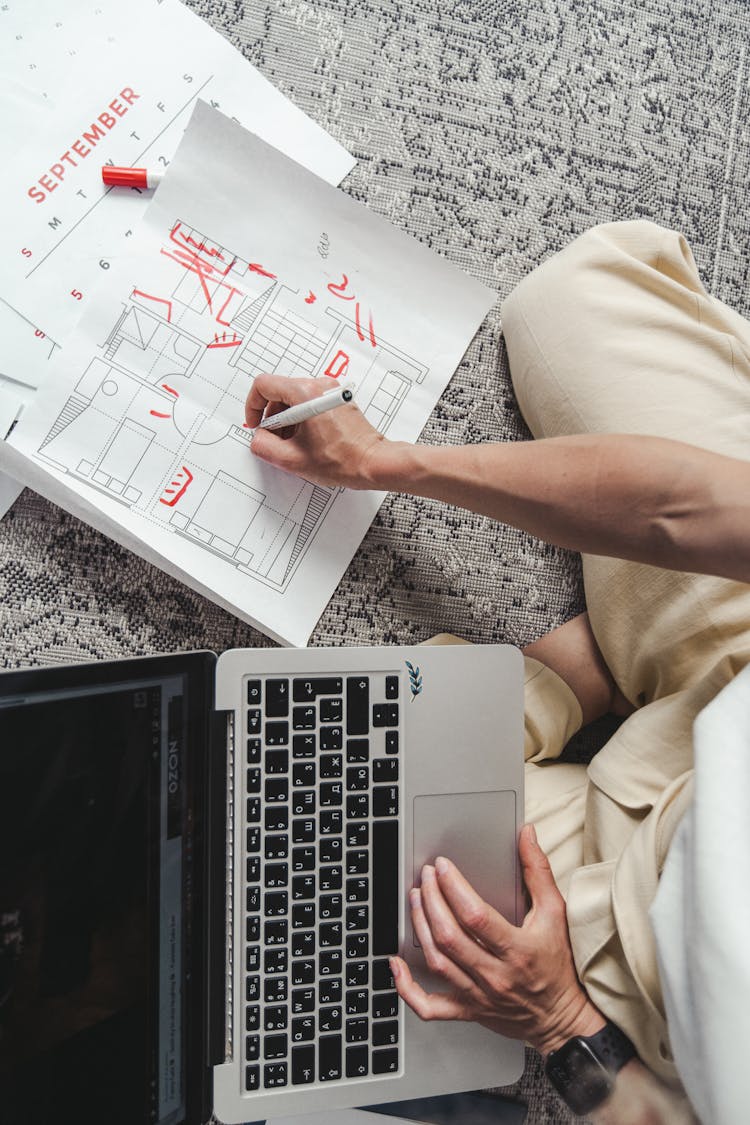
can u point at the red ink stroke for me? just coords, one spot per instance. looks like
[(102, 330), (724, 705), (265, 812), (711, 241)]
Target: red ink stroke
[(357, 324), (373, 341), (338, 365), (223, 342), (159, 300), (310, 298), (253, 267), (188, 477), (338, 290), (157, 414), (171, 390), (202, 260)]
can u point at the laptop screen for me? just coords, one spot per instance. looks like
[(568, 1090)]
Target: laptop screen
[(97, 925)]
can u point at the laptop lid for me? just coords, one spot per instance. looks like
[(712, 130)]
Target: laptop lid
[(102, 892)]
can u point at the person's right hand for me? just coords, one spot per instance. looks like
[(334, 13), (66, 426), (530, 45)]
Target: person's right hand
[(333, 449)]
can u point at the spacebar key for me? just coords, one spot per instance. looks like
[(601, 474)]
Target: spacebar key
[(386, 883)]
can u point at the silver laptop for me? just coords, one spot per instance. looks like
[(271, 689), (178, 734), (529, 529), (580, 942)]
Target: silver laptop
[(204, 867)]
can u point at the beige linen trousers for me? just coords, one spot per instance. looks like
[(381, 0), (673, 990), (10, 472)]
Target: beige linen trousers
[(617, 334)]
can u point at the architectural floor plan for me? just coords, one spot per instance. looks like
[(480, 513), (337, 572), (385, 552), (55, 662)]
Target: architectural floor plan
[(155, 421), (245, 263)]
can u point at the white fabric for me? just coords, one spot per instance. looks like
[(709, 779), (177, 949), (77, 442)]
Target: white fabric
[(701, 916)]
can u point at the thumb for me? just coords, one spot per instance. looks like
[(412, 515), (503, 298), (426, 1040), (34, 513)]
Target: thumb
[(537, 873), (270, 447)]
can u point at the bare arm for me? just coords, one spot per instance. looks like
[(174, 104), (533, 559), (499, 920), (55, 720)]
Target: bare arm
[(647, 499)]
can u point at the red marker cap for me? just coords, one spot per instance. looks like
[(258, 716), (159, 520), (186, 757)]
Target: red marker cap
[(130, 177)]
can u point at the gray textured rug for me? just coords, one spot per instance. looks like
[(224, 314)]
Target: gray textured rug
[(494, 131)]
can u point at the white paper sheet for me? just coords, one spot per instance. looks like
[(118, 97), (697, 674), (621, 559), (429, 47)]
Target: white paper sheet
[(139, 69), (64, 65), (245, 263)]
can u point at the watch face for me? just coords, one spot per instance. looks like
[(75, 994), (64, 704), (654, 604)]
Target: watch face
[(578, 1075)]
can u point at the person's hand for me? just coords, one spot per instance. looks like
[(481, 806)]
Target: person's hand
[(519, 981), (332, 449)]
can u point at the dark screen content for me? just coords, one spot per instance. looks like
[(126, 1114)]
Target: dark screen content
[(75, 944)]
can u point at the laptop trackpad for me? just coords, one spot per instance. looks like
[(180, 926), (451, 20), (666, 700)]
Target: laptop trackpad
[(477, 832)]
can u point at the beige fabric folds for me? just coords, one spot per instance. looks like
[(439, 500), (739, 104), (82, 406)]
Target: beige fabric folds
[(615, 334)]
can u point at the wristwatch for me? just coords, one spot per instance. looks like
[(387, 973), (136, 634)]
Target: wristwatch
[(583, 1070)]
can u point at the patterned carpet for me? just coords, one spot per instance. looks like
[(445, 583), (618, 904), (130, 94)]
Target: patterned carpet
[(494, 131)]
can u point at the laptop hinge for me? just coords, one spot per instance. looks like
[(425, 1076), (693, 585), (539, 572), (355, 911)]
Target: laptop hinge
[(219, 860)]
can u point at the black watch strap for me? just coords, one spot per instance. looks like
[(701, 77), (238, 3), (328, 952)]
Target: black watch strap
[(583, 1070)]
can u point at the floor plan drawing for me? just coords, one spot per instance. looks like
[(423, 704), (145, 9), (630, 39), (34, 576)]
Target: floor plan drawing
[(156, 420), (245, 263)]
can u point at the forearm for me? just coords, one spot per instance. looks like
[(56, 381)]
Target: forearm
[(639, 1098), (642, 498)]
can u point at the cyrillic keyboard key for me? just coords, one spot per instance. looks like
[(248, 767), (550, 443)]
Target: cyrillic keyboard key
[(329, 991), (252, 1078), (330, 738), (329, 1019), (303, 859), (357, 777), (357, 973), (330, 765), (357, 705), (385, 887), (391, 687), (303, 1029), (252, 1017), (303, 745), (391, 742), (275, 1019), (330, 849), (331, 710), (304, 718), (329, 962), (357, 1000), (303, 972)]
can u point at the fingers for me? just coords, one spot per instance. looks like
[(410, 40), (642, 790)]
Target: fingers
[(476, 917), (427, 1005), (282, 389), (437, 962), (537, 873)]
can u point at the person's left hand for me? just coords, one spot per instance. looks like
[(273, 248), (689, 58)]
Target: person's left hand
[(519, 981)]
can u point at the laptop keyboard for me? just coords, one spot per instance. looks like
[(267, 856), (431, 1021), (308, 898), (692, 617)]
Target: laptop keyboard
[(322, 879)]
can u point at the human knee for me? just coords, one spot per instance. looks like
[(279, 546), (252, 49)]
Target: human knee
[(568, 273)]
